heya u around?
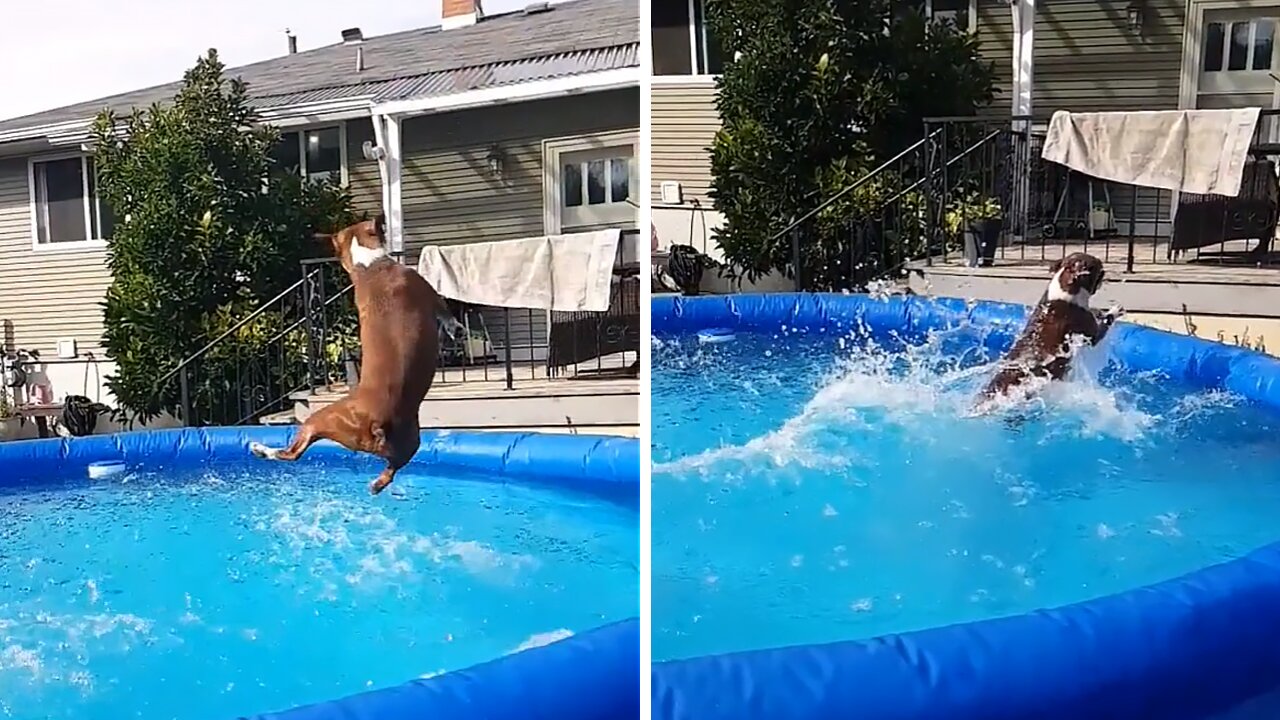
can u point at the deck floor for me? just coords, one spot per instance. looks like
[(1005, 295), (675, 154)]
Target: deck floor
[(543, 387)]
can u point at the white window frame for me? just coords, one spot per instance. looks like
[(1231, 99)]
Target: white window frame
[(972, 12), (302, 130), (63, 247), (1192, 50), (698, 62), (553, 149), (694, 31), (1246, 80)]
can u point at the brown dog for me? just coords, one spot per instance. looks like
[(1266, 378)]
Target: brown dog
[(397, 310), (1044, 348)]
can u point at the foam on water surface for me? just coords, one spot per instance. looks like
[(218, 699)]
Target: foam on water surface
[(231, 590), (812, 488)]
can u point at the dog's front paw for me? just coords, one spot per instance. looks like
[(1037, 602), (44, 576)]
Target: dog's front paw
[(261, 451), (1115, 312)]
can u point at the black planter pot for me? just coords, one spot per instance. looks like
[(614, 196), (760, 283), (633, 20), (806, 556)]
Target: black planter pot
[(981, 238)]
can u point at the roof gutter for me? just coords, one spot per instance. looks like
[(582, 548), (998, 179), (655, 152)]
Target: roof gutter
[(43, 131), (327, 111), (76, 132), (516, 92)]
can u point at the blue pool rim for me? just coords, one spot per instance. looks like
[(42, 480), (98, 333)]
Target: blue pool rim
[(1190, 647), (593, 675)]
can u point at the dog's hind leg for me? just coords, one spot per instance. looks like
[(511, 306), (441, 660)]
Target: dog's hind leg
[(399, 447), (339, 422)]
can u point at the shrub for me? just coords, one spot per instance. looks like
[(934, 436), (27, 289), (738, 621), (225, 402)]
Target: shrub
[(817, 94), (204, 233)]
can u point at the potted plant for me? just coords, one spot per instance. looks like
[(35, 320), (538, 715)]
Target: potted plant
[(979, 219), (10, 423)]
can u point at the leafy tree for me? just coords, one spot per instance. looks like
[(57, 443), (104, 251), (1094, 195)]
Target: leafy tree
[(815, 94), (204, 231)]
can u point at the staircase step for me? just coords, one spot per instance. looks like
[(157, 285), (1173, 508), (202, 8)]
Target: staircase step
[(284, 417)]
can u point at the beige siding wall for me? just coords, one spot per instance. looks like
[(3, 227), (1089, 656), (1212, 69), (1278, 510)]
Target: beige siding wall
[(449, 198), (47, 296), (1086, 58), (995, 38), (684, 123)]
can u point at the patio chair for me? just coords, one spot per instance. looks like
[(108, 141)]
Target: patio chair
[(1205, 220)]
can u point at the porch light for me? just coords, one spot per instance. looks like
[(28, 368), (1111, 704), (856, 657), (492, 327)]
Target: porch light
[(496, 161), (1135, 13)]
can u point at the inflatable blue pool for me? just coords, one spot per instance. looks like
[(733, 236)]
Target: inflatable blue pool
[(1204, 644), (167, 573)]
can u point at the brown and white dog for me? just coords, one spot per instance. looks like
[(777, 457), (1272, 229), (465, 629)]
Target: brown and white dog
[(397, 311), (1045, 346)]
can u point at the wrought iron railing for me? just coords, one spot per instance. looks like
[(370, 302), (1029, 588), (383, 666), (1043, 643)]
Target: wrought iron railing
[(306, 340), (255, 367), (870, 228), (1048, 211)]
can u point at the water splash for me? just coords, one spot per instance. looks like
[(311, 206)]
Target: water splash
[(835, 488), (871, 384)]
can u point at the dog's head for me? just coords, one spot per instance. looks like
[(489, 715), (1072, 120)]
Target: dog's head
[(359, 245), (1076, 279)]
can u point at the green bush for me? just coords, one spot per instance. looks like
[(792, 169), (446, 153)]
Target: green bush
[(815, 95), (204, 234)]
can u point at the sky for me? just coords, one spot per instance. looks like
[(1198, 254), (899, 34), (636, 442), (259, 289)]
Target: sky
[(70, 51)]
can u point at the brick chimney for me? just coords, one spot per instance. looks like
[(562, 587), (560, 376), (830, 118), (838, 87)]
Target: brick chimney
[(459, 13)]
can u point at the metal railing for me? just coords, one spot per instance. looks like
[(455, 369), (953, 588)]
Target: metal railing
[(1048, 211), (870, 228), (975, 191), (255, 366), (306, 340)]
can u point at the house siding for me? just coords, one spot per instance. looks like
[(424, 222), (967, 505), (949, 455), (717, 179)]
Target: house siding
[(684, 124), (448, 197), (45, 296), (995, 43), (1086, 58)]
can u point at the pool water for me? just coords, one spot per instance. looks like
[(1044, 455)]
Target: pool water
[(245, 588), (809, 488)]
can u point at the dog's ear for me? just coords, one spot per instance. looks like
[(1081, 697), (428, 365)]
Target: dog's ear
[(380, 225), (1055, 266)]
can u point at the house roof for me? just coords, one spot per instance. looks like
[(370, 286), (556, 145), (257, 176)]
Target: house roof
[(565, 38)]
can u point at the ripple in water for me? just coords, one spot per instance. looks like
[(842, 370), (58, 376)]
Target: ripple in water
[(816, 488), (226, 591)]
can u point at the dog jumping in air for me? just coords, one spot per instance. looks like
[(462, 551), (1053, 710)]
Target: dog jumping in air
[(397, 311)]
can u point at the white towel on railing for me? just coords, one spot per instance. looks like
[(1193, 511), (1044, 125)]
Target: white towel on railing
[(569, 272), (1196, 151)]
